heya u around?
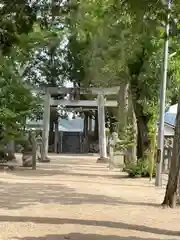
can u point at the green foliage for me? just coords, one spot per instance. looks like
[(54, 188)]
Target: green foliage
[(123, 42), (17, 101), (32, 50), (91, 43), (19, 18), (139, 169), (23, 140), (15, 19), (108, 133)]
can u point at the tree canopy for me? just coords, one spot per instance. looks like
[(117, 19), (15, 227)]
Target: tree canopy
[(121, 42), (100, 43)]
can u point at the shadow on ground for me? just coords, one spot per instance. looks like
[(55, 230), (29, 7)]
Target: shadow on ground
[(67, 172), (108, 224), (18, 195), (79, 236)]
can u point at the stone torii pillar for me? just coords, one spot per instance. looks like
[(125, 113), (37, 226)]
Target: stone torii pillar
[(102, 129), (45, 133)]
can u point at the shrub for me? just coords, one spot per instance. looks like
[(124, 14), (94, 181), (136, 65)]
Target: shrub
[(139, 169)]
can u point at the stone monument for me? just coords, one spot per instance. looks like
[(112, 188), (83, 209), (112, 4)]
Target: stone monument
[(113, 140)]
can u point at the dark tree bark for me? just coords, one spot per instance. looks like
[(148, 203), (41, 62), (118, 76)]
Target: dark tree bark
[(11, 150), (133, 122), (112, 119), (135, 69), (123, 98), (143, 143), (134, 130), (170, 198), (86, 133), (52, 122)]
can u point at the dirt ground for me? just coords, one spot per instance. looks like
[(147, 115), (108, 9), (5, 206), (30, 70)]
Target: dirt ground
[(74, 198)]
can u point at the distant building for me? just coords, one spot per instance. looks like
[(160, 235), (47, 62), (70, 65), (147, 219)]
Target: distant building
[(70, 134), (170, 120), (168, 130)]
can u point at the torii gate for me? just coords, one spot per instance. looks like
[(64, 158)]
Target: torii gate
[(100, 103)]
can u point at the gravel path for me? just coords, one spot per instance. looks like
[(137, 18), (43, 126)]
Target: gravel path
[(74, 198)]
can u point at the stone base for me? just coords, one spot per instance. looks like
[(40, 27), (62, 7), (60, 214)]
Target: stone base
[(102, 160), (27, 159)]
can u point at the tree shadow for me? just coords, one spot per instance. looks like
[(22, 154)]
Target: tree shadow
[(69, 167), (18, 195), (108, 224), (50, 172), (80, 236)]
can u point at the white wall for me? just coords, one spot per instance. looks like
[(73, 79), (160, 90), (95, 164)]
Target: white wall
[(168, 130)]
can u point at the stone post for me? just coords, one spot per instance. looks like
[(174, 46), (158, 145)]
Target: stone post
[(112, 143), (111, 153), (102, 129)]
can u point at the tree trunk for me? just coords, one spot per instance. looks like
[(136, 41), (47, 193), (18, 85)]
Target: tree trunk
[(122, 116), (135, 132), (86, 135), (56, 136), (34, 151), (123, 109), (133, 123), (171, 189), (143, 144), (52, 125), (51, 128), (151, 155), (11, 150), (178, 190), (112, 113), (90, 124)]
